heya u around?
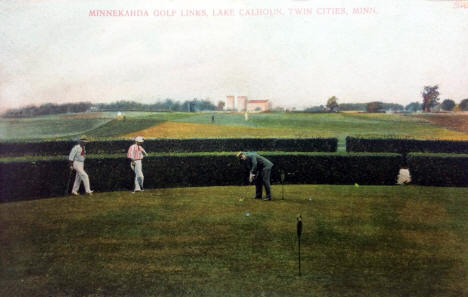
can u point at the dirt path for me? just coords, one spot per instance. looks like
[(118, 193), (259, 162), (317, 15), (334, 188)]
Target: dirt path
[(457, 121)]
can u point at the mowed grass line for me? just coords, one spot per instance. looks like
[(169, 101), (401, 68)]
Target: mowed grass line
[(334, 125), (47, 127), (301, 125), (120, 127), (198, 125), (357, 241), (197, 130)]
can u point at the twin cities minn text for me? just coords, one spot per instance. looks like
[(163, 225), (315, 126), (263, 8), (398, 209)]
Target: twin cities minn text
[(252, 12)]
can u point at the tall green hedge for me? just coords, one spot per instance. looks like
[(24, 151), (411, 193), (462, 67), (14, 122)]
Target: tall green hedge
[(175, 145), (405, 146), (438, 169), (21, 180)]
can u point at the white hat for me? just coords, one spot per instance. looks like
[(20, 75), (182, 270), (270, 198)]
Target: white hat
[(139, 139), (83, 138)]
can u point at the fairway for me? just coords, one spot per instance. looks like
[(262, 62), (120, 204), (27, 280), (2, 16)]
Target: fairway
[(217, 241), (199, 125), (48, 127)]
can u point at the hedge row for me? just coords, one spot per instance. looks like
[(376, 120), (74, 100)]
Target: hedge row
[(175, 145), (20, 180), (405, 146), (438, 169)]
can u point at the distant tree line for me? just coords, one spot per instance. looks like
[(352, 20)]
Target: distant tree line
[(431, 99), (46, 109), (375, 106), (430, 102), (193, 105)]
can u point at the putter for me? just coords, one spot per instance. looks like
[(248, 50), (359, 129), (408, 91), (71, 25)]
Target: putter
[(282, 175), (70, 171)]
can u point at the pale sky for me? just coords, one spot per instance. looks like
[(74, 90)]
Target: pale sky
[(54, 51)]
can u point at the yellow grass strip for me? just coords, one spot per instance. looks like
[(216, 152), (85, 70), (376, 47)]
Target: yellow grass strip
[(195, 130)]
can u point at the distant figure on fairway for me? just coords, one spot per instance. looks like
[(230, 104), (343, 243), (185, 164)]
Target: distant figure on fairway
[(212, 119), (76, 162), (136, 153), (260, 172), (246, 116)]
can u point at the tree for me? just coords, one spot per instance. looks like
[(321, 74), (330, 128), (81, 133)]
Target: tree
[(464, 105), (413, 107), (430, 97), (47, 108), (220, 105), (332, 104), (392, 107), (375, 106), (352, 106), (448, 104), (320, 108)]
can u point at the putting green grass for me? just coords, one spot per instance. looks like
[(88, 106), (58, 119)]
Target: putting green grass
[(216, 241)]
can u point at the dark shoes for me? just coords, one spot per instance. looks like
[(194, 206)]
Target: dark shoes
[(264, 199)]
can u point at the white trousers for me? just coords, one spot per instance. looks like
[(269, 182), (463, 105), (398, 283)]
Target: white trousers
[(81, 176), (139, 178)]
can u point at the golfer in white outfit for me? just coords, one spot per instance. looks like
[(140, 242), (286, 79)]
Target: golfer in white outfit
[(76, 159), (136, 153)]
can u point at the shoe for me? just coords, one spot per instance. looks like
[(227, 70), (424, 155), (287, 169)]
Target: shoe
[(75, 193), (267, 199), (90, 193), (255, 197)]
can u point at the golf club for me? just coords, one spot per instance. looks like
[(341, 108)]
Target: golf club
[(299, 233), (282, 176), (70, 171)]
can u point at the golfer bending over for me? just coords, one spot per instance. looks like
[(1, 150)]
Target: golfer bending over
[(135, 154), (260, 171), (76, 161)]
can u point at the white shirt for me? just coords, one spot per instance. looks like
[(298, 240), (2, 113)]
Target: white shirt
[(77, 154)]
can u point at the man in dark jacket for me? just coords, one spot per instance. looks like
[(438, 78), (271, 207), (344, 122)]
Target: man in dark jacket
[(260, 171)]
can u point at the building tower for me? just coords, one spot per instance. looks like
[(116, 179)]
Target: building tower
[(241, 103), (230, 103)]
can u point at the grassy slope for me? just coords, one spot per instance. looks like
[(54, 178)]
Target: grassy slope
[(357, 241), (116, 128), (279, 124), (199, 130), (47, 127), (337, 125), (198, 125)]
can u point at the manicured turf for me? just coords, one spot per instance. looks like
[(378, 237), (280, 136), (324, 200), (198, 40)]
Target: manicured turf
[(117, 128), (334, 124), (198, 130), (228, 124), (50, 127), (357, 241)]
